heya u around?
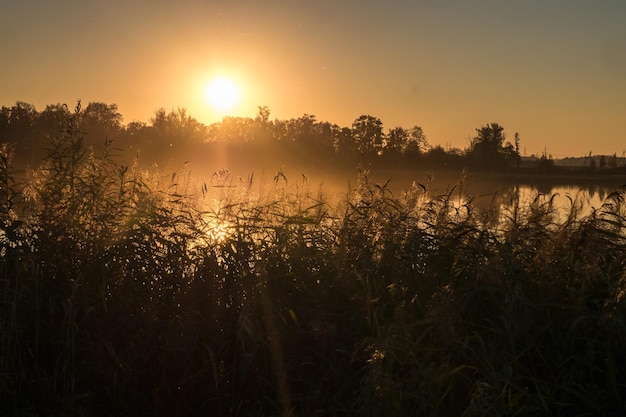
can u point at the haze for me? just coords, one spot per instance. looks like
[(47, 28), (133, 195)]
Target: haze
[(553, 71)]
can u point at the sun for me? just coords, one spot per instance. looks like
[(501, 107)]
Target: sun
[(222, 94)]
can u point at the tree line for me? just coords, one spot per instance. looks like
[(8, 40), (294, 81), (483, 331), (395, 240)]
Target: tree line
[(176, 132)]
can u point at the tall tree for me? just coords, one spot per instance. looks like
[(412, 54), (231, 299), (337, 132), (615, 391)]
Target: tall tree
[(5, 115), (232, 130), (411, 141), (487, 147), (177, 127), (22, 118), (416, 142), (53, 117), (518, 157), (99, 122), (20, 128), (367, 133), (397, 138), (263, 127), (342, 140)]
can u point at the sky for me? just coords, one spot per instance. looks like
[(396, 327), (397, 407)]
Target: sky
[(553, 71)]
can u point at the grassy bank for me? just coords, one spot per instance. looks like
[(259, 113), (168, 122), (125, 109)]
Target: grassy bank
[(124, 292)]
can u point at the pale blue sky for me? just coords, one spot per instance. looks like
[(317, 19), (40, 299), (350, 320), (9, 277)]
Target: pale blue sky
[(554, 71)]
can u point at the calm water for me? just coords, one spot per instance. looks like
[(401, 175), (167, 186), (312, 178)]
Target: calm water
[(486, 192), (489, 193)]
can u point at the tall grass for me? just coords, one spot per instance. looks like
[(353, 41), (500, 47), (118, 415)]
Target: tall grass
[(125, 292)]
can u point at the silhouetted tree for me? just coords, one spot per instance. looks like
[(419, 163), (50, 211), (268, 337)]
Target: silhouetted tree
[(263, 115), (416, 142), (134, 128), (177, 128), (410, 144), (325, 133), (304, 129), (508, 156), (342, 140), (263, 127), (310, 133), (53, 118), (232, 130), (5, 114), (487, 149), (488, 141), (397, 139), (19, 125), (518, 157), (49, 124), (367, 133), (137, 136), (437, 156), (22, 118), (99, 122)]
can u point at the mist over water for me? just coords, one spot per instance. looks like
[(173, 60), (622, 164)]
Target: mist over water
[(333, 183), (320, 158)]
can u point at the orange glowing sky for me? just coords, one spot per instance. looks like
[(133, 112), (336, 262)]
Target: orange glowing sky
[(553, 71)]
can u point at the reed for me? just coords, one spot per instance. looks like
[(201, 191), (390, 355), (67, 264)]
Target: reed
[(127, 292)]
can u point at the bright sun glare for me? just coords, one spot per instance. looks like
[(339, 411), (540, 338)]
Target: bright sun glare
[(222, 94)]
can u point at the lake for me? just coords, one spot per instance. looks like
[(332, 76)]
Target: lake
[(501, 193), (486, 191)]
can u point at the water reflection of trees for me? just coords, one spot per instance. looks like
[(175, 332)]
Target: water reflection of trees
[(492, 197), (507, 197), (496, 197)]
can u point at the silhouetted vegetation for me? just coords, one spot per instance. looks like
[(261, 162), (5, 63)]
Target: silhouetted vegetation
[(175, 136), (125, 291)]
